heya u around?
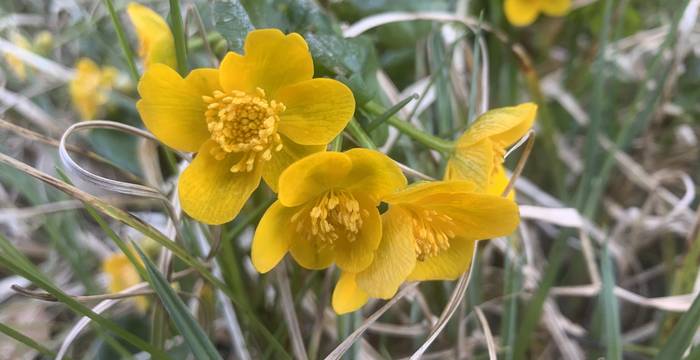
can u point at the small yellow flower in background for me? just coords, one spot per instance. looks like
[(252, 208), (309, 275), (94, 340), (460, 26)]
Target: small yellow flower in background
[(525, 12), (479, 152), (43, 42), (251, 118), (327, 212), (429, 233), (14, 63), (156, 42), (123, 275), (90, 87)]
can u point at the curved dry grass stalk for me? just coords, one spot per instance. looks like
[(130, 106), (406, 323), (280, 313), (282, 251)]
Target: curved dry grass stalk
[(344, 346), (104, 183), (289, 313), (490, 342)]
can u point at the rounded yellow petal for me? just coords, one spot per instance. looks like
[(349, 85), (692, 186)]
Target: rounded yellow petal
[(87, 90), (210, 192), (310, 256), (271, 61), (476, 216), (555, 7), (317, 110), (172, 107), (503, 125), (394, 259), (272, 237), (521, 12), (499, 182), (280, 160), (418, 191), (157, 44), (473, 162), (355, 256), (373, 174), (312, 176), (347, 297), (446, 265)]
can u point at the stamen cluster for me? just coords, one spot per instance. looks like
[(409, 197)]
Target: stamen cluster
[(432, 231), (243, 123), (335, 214)]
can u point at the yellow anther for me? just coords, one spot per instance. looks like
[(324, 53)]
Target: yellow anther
[(335, 214), (432, 232), (243, 123)]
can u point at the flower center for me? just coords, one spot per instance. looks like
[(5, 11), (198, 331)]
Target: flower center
[(432, 232), (242, 123), (335, 214)]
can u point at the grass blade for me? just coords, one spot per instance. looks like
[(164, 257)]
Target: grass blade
[(26, 340), (611, 313), (682, 334), (194, 336)]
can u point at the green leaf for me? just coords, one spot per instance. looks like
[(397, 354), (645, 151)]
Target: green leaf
[(682, 334), (29, 342), (194, 336), (233, 22), (611, 313)]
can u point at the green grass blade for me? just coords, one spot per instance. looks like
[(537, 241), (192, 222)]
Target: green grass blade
[(194, 336), (611, 313), (682, 334), (179, 35), (25, 340), (128, 54)]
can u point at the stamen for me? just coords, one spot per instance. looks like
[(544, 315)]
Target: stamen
[(432, 232), (243, 123), (335, 214)]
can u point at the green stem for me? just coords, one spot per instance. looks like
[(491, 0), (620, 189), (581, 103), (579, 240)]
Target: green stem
[(405, 127), (360, 135), (337, 143), (179, 35), (128, 54)]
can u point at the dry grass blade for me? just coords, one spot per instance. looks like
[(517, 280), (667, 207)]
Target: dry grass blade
[(289, 313), (490, 342)]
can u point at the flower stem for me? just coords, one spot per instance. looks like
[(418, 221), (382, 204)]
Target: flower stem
[(128, 54), (179, 35), (405, 127), (360, 135)]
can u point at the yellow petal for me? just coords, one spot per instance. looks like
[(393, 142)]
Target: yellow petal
[(393, 260), (473, 162), (555, 7), (373, 174), (476, 216), (90, 87), (521, 12), (499, 182), (446, 265), (347, 297), (272, 237), (418, 191), (123, 275), (14, 63), (280, 160), (271, 61), (210, 192), (172, 107), (503, 125), (308, 255), (311, 176), (317, 110), (355, 256), (157, 44)]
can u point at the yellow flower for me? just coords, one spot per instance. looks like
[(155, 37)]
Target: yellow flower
[(479, 152), (90, 87), (14, 63), (123, 275), (327, 211), (156, 42), (524, 12), (428, 233), (251, 118)]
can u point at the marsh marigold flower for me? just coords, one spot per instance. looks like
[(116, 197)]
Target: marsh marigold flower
[(90, 87), (156, 41), (123, 275), (327, 211), (428, 233), (525, 12), (251, 118), (478, 154), (14, 63)]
